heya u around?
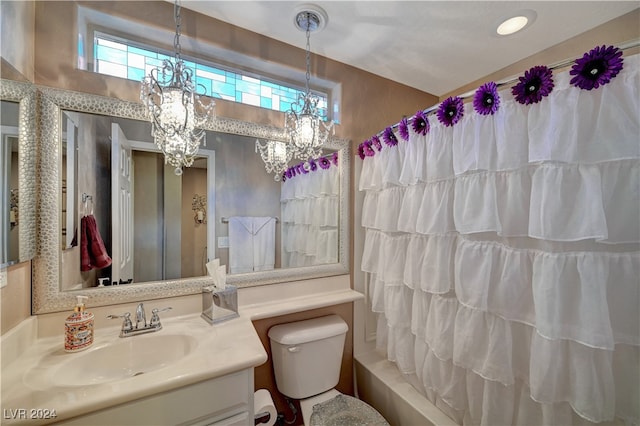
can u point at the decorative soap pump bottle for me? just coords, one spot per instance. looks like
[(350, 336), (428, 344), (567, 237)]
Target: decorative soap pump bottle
[(78, 328)]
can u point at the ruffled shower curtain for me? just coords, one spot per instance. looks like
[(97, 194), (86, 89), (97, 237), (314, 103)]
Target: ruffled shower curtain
[(502, 257), (309, 204)]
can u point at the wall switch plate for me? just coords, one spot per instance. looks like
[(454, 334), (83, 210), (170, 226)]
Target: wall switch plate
[(223, 242)]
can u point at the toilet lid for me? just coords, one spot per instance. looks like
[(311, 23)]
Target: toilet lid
[(344, 410)]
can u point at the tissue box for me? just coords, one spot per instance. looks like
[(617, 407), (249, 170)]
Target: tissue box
[(219, 305)]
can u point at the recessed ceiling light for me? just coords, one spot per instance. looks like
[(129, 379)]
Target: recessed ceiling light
[(515, 22), (512, 25)]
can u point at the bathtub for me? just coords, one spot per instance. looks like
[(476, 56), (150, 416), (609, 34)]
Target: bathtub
[(380, 384)]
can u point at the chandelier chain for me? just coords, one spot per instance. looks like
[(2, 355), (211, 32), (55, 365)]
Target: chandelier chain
[(306, 128), (178, 20), (172, 98), (308, 54)]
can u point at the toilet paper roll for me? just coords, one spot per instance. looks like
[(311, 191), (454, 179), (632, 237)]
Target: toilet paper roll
[(262, 403)]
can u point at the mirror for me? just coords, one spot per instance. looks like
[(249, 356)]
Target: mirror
[(50, 293), (160, 237), (18, 166)]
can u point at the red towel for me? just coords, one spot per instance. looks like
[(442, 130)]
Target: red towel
[(93, 253), (85, 257)]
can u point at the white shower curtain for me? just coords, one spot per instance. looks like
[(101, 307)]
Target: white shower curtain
[(309, 204), (502, 255)]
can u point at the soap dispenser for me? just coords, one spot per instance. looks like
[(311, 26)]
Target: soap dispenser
[(78, 328)]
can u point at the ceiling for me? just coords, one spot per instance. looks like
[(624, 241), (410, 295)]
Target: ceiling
[(434, 46)]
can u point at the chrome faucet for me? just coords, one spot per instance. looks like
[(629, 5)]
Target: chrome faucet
[(140, 316), (141, 326)]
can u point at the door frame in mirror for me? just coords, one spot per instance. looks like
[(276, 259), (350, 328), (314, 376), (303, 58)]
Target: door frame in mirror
[(24, 93), (47, 296)]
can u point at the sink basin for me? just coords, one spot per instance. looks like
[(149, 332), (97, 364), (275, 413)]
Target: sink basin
[(129, 357)]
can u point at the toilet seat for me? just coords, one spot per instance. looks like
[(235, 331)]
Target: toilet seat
[(345, 410)]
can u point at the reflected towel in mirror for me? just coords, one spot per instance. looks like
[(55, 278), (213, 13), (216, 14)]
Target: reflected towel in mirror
[(93, 253), (251, 244)]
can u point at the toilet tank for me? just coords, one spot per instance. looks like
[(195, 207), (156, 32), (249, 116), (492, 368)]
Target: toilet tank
[(307, 355)]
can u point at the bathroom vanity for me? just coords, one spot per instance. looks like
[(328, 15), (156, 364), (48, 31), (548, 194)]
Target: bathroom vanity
[(189, 372), (150, 378)]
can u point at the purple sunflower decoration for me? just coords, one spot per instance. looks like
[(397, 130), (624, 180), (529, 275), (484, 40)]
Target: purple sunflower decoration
[(403, 129), (421, 123), (597, 67), (334, 157), (389, 137), (536, 84), (360, 151), (324, 163), (375, 141), (368, 150), (486, 100), (313, 166), (451, 111)]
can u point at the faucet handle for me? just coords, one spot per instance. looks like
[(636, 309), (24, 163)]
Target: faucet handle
[(155, 318), (126, 324)]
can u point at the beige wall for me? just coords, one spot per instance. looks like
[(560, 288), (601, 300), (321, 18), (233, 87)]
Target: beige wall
[(17, 19), (368, 101), (620, 30), (15, 297)]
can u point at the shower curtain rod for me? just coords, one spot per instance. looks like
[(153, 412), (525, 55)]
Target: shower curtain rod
[(623, 46)]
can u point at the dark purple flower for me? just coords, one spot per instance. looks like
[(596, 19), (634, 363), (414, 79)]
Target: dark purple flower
[(324, 163), (375, 141), (389, 137), (421, 123), (536, 84), (303, 169), (312, 165), (368, 150), (334, 158), (597, 67), (361, 151), (451, 111), (486, 100), (284, 177), (403, 129)]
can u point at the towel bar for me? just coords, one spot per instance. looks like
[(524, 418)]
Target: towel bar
[(226, 219)]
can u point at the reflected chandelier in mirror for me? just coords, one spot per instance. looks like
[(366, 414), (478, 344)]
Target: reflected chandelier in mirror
[(47, 296)]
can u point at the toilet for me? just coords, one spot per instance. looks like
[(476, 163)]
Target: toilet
[(307, 356)]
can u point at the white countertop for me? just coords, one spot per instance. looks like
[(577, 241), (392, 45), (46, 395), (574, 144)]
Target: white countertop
[(221, 349), (29, 351)]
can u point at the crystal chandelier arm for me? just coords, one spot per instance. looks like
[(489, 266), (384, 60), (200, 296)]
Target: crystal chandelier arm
[(170, 98), (276, 156), (306, 129)]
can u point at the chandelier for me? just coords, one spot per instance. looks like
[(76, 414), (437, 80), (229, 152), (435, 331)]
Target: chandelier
[(276, 156), (307, 130), (170, 97)]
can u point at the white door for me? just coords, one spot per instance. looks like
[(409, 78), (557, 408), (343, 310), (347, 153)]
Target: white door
[(121, 206)]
